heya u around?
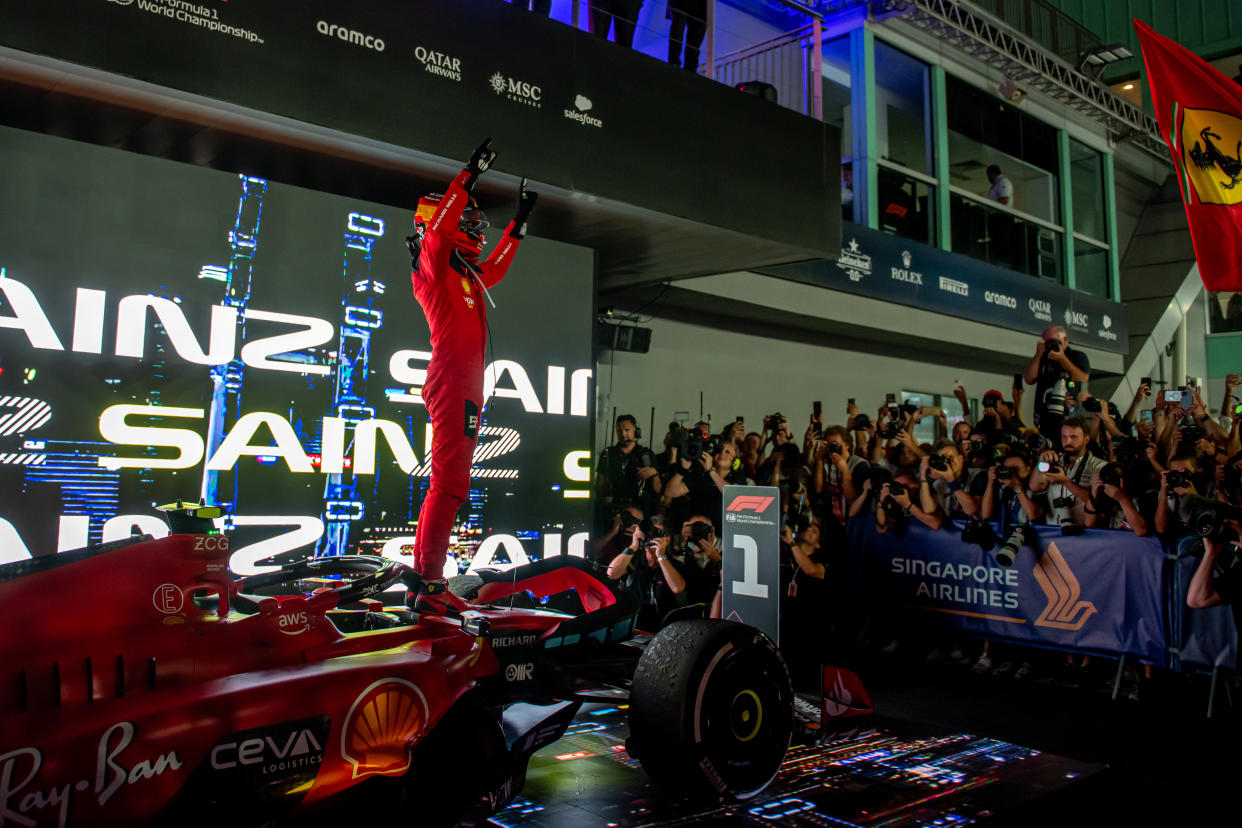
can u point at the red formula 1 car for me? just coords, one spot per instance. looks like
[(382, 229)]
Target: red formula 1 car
[(143, 684)]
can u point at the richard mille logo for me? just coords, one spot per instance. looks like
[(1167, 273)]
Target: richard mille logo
[(517, 90)]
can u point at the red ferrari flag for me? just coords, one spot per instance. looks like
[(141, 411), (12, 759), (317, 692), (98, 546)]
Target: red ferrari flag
[(1200, 116)]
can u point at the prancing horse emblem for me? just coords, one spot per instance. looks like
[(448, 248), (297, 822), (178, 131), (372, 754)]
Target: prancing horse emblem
[(1210, 156)]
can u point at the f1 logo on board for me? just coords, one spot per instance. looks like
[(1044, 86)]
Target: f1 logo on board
[(749, 503)]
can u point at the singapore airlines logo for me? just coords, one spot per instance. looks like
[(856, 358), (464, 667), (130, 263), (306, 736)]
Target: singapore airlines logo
[(1064, 610)]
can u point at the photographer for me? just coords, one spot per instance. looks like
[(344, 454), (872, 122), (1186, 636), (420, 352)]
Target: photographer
[(955, 490), (1050, 370), (1112, 505), (698, 549), (998, 416), (805, 620), (627, 473), (1008, 497), (1177, 487), (1068, 477), (839, 474), (656, 577), (693, 485), (624, 523), (1218, 580)]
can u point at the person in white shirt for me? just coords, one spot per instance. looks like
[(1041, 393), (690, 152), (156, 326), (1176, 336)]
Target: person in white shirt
[(1002, 188)]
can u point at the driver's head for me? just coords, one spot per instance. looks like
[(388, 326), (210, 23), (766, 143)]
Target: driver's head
[(467, 237)]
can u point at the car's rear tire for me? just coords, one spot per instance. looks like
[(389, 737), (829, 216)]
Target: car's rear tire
[(711, 709)]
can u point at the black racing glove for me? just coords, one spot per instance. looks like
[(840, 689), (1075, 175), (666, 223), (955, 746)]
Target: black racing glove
[(526, 203), (415, 245), (480, 162)]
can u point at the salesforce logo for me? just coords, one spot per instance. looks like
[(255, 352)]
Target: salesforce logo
[(1001, 299)]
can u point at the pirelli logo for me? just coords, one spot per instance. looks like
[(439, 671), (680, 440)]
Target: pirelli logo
[(749, 503)]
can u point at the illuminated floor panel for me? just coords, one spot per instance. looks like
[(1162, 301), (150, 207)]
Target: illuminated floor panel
[(587, 779)]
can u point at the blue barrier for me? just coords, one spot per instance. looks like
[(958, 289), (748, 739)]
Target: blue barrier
[(1104, 591)]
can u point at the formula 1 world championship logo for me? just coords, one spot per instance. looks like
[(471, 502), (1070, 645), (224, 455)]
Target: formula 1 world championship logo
[(1064, 610)]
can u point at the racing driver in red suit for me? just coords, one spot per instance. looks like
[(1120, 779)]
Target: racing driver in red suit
[(451, 284)]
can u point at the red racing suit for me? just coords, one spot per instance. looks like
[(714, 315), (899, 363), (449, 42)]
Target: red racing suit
[(450, 289)]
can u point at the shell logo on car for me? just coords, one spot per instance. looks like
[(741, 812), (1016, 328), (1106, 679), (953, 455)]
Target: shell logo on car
[(382, 722)]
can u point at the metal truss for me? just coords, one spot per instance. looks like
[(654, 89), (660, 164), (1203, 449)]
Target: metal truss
[(989, 41)]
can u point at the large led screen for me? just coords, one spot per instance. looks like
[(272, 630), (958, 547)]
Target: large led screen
[(168, 331)]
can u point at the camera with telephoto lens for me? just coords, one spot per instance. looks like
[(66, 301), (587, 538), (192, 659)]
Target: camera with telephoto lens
[(1004, 472), (773, 420), (1110, 475), (977, 532), (652, 527), (990, 400), (909, 408), (1177, 479), (1092, 405), (1130, 452), (1192, 434), (1232, 476), (691, 444), (1052, 345), (1207, 517), (700, 530), (1008, 551), (978, 446), (891, 429), (861, 422), (834, 447), (1035, 442), (938, 462)]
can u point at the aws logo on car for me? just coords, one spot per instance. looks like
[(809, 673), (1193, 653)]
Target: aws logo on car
[(385, 717), (293, 623)]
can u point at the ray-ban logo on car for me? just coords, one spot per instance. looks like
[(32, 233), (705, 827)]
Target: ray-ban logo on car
[(749, 503)]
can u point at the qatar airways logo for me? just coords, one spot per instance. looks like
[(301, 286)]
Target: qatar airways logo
[(438, 63)]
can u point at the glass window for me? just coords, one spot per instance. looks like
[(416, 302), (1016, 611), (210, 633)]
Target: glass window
[(986, 134), (902, 109), (1091, 266), (1224, 312), (906, 206), (1002, 238), (837, 108), (1087, 181)]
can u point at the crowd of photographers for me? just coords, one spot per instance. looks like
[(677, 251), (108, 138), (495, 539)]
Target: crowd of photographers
[(1163, 467)]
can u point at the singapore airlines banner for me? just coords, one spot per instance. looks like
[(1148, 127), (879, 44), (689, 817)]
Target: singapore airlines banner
[(1102, 591), (173, 332)]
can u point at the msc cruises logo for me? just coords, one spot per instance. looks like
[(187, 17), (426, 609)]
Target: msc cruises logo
[(1065, 611), (516, 90)]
